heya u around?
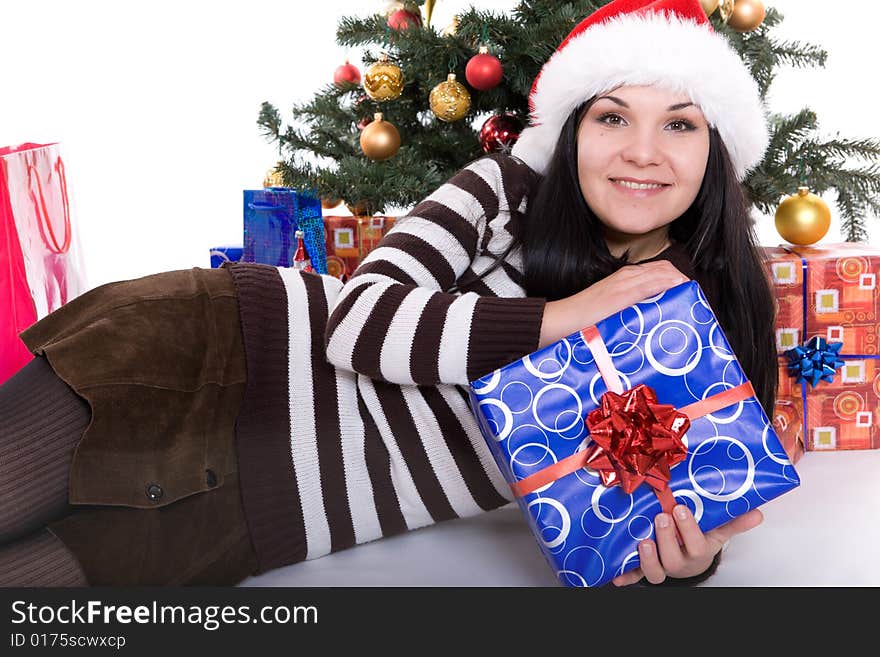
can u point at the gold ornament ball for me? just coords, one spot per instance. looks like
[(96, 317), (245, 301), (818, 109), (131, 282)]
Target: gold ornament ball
[(273, 177), (747, 15), (383, 80), (725, 9), (450, 100), (329, 203), (380, 139), (709, 6), (803, 219)]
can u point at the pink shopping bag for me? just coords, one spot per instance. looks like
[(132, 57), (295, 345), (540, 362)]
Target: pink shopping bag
[(41, 266)]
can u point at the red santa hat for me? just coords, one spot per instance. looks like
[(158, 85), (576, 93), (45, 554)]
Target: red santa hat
[(667, 43)]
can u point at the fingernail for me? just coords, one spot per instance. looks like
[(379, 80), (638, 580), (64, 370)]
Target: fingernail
[(645, 547), (680, 512), (663, 520)]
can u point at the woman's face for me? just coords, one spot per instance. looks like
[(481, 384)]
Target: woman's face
[(641, 133)]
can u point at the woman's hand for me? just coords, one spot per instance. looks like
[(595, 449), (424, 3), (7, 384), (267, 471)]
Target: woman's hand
[(625, 287), (667, 558)]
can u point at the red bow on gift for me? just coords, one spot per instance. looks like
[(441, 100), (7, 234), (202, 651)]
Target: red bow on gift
[(635, 439)]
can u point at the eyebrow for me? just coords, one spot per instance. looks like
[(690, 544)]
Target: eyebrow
[(671, 108)]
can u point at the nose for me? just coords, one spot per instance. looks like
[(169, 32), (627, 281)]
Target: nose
[(643, 147)]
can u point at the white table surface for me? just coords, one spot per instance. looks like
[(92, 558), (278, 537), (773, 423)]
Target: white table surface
[(826, 532)]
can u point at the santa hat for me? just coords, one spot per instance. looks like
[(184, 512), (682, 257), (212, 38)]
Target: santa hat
[(667, 43)]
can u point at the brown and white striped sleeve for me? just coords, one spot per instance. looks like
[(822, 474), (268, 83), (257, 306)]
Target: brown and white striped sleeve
[(393, 320)]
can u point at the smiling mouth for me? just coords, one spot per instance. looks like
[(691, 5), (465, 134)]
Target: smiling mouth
[(631, 185), (639, 191)]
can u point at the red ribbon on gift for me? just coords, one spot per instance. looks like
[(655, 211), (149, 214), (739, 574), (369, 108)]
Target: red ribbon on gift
[(635, 439)]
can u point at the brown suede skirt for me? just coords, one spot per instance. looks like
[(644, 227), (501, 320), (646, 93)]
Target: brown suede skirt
[(154, 481)]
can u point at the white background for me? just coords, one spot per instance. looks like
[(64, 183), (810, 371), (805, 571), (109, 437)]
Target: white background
[(155, 105)]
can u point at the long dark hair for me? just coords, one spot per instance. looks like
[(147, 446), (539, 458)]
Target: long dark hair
[(564, 251)]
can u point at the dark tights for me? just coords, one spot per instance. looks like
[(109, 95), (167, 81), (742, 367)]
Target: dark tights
[(41, 422)]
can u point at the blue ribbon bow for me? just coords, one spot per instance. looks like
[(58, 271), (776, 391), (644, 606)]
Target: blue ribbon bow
[(814, 361)]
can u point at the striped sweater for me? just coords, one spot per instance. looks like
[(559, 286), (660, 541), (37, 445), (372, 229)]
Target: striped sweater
[(355, 423)]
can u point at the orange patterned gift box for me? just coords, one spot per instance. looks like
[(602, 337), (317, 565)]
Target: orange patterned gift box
[(372, 229), (831, 292), (350, 239)]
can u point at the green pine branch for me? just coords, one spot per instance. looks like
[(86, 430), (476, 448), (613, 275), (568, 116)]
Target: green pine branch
[(796, 156), (321, 147)]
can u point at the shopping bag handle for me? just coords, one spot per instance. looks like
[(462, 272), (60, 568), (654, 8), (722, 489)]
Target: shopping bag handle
[(43, 216)]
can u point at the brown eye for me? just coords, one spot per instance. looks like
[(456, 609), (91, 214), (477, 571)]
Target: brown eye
[(602, 118), (687, 125)]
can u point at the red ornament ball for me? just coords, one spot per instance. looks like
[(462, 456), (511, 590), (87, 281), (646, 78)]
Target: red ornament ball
[(500, 132), (484, 71), (403, 19), (347, 73), (364, 122)]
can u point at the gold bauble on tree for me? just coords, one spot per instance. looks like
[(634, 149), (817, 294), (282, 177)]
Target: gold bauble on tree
[(747, 15), (725, 9), (450, 100), (273, 177), (330, 203), (383, 80), (380, 139), (709, 6), (803, 219)]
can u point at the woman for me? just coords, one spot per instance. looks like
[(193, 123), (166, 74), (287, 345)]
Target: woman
[(206, 425)]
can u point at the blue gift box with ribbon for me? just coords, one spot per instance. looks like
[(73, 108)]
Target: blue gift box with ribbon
[(601, 431), (271, 219)]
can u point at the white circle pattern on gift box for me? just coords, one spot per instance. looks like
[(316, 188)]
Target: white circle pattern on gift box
[(535, 371), (725, 473), (525, 400), (557, 386)]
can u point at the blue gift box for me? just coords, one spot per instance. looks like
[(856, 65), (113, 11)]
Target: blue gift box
[(271, 219), (533, 414), (221, 254)]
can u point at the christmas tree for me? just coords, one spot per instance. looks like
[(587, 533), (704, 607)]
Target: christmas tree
[(338, 144)]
